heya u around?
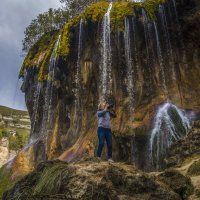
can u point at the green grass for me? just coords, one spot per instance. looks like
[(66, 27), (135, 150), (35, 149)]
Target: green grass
[(45, 185), (18, 141), (6, 181)]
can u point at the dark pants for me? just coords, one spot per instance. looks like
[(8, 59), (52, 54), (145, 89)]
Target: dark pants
[(104, 134)]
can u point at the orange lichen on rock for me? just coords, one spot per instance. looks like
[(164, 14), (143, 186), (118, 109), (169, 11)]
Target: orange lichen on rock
[(53, 142), (23, 163)]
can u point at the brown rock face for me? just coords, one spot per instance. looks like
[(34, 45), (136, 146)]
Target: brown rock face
[(166, 66)]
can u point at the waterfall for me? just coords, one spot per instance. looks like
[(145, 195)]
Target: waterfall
[(180, 41), (35, 107), (169, 50), (51, 74), (160, 59), (78, 79), (170, 125), (135, 44), (78, 67), (129, 63), (150, 54), (49, 88), (105, 67)]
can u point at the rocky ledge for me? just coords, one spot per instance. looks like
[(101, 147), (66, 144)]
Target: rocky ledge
[(90, 179)]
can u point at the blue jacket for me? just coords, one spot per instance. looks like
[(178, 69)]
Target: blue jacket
[(104, 118)]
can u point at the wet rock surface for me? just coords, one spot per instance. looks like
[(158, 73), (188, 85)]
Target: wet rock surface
[(72, 132)]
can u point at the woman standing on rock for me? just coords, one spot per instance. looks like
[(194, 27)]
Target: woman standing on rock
[(104, 113)]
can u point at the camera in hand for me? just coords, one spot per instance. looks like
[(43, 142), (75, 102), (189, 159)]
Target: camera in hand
[(111, 106)]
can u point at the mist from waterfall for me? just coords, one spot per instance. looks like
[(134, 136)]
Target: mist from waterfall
[(106, 57), (170, 125)]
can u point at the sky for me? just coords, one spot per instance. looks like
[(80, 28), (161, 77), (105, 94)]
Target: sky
[(15, 16)]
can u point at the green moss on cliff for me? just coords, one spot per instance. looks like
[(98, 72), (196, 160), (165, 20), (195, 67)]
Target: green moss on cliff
[(119, 12), (66, 35), (96, 11), (151, 6), (42, 75), (37, 54)]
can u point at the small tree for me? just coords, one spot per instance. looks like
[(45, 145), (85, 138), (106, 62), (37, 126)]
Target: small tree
[(46, 22)]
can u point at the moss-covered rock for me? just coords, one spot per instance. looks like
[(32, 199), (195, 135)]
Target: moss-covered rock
[(38, 55)]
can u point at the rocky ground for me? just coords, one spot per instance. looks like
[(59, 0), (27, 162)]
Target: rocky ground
[(99, 181)]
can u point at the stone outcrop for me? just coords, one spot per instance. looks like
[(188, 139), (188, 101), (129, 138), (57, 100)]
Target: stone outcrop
[(94, 180)]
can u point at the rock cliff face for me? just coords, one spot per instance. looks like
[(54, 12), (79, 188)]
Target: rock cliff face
[(128, 59)]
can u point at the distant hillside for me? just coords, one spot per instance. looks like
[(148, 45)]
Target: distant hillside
[(9, 111), (14, 132)]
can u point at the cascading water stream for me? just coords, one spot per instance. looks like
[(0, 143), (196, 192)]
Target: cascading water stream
[(170, 125), (105, 67), (49, 89), (160, 59), (35, 107), (77, 91), (169, 50), (135, 44), (78, 67), (129, 63), (184, 60), (150, 54)]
